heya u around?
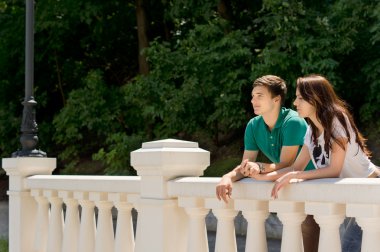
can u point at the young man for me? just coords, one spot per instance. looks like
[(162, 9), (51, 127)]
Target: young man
[(278, 133)]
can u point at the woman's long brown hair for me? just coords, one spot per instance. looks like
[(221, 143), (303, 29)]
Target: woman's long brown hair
[(317, 90)]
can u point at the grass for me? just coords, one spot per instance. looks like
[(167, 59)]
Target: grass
[(3, 245), (224, 165), (221, 167)]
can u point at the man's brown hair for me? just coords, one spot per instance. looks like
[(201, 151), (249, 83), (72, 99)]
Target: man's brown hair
[(274, 84)]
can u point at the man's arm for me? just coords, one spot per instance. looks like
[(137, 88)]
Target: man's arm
[(298, 165), (224, 188), (331, 171), (287, 157)]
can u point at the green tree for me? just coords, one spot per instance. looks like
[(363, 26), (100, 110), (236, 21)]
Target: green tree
[(203, 56)]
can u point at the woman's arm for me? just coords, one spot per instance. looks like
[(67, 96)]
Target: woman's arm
[(299, 165), (331, 171)]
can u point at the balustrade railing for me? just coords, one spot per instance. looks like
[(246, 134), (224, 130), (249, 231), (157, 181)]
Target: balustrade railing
[(74, 213)]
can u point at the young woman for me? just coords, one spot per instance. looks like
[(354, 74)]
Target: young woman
[(332, 141)]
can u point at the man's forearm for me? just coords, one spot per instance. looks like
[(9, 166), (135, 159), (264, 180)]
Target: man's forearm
[(235, 174)]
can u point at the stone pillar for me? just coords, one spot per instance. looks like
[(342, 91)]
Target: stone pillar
[(197, 236), (41, 230), (71, 227), (55, 232), (329, 216), (22, 205), (255, 212), (368, 218), (104, 240), (225, 232), (159, 217), (87, 223), (124, 237), (291, 215)]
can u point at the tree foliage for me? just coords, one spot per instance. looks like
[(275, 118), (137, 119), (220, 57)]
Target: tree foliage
[(202, 57)]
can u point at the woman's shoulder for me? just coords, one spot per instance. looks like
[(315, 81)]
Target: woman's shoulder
[(341, 125)]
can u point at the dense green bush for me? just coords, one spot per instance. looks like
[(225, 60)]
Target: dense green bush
[(94, 105)]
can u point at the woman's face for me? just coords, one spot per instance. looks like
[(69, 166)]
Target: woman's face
[(304, 108)]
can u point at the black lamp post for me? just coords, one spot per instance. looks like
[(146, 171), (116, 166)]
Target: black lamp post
[(29, 138)]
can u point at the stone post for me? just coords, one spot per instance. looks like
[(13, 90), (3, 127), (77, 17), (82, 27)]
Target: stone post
[(22, 205), (162, 224)]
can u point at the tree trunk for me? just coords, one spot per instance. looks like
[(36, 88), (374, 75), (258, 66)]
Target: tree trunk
[(224, 9), (142, 36)]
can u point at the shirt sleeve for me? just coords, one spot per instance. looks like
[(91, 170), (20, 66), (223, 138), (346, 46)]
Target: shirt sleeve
[(249, 139), (307, 139), (294, 130), (338, 129)]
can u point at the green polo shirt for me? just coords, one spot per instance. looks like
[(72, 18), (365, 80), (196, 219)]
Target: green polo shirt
[(289, 130)]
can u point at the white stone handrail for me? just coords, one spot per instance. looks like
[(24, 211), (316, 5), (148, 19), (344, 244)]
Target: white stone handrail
[(84, 234), (125, 184), (329, 200), (56, 213), (330, 190)]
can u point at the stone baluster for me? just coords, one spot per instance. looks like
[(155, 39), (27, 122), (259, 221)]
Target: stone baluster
[(124, 238), (87, 223), (55, 222), (255, 212), (42, 222), (156, 163), (71, 228), (291, 215), (197, 233), (104, 240), (368, 218), (22, 205), (329, 216), (225, 234)]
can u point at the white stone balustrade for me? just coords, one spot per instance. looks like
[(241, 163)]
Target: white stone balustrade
[(42, 222), (157, 163), (124, 238), (71, 229), (195, 209), (329, 216), (104, 239), (291, 215), (368, 218), (255, 212), (87, 223), (225, 213), (58, 213), (22, 205)]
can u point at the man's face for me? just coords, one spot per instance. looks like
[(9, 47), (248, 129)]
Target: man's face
[(263, 102)]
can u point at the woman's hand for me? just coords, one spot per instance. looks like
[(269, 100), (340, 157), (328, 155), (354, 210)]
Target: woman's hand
[(283, 181)]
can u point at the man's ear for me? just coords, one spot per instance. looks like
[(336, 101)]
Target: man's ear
[(277, 98)]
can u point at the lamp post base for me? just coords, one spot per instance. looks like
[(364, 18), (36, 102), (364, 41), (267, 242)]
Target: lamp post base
[(29, 153)]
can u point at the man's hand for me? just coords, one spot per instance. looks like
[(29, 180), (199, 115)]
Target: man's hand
[(249, 169), (224, 189)]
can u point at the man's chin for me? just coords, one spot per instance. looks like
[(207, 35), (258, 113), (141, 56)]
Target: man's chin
[(257, 113)]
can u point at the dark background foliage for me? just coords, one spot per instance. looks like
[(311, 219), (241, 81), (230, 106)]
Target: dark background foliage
[(112, 74)]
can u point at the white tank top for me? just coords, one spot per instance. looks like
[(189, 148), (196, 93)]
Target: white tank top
[(356, 163)]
